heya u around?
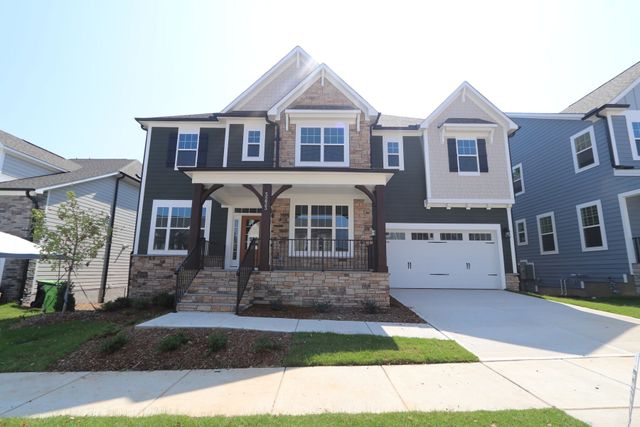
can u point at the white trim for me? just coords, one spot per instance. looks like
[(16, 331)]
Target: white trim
[(323, 126), (518, 166), (614, 144), (386, 139), (555, 233), (594, 149), (514, 267), (522, 221), (631, 117), (145, 163), (625, 91), (226, 145), (249, 127), (173, 204), (626, 226), (468, 203), (603, 232), (477, 157), (507, 157), (182, 123), (187, 131), (626, 172), (302, 177), (556, 116), (427, 164)]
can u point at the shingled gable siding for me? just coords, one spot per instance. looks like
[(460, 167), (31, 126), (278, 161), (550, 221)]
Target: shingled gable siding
[(236, 139), (406, 192), (328, 95), (164, 183)]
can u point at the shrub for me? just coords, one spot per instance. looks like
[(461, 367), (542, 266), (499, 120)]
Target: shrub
[(113, 343), (217, 342), (164, 300), (321, 306), (140, 304), (117, 304), (276, 305), (370, 307), (71, 302), (264, 344), (172, 342)]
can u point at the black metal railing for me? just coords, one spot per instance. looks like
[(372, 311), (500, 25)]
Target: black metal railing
[(211, 257), (245, 269), (636, 246), (188, 269), (322, 254)]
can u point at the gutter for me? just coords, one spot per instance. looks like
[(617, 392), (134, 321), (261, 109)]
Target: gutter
[(276, 143), (25, 272), (107, 251)]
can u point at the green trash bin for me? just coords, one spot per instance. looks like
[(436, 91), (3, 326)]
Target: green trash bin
[(50, 289)]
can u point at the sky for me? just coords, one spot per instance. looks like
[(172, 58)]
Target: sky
[(74, 74)]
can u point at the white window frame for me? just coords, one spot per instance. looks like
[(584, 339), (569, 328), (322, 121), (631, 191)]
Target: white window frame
[(526, 234), (322, 125), (245, 143), (633, 116), (555, 233), (477, 156), (185, 131), (603, 233), (518, 166), (385, 151), (594, 148), (173, 204)]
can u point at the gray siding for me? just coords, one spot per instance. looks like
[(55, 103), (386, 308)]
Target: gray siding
[(215, 152), (623, 143), (16, 167), (234, 153), (551, 184), (633, 206), (162, 182), (632, 98)]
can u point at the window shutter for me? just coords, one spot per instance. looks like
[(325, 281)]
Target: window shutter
[(171, 149), (203, 149), (453, 155), (482, 155)]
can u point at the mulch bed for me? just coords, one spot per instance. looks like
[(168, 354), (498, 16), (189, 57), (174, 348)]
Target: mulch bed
[(140, 353), (395, 313)]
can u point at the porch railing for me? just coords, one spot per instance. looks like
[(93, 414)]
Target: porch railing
[(245, 269), (636, 246), (322, 254)]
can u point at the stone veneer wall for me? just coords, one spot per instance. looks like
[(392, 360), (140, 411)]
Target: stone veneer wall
[(152, 274), (304, 288), (513, 282)]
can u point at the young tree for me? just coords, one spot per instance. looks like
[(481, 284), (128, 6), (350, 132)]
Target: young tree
[(73, 242)]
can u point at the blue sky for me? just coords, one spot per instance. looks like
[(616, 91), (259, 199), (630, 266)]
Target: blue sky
[(74, 74)]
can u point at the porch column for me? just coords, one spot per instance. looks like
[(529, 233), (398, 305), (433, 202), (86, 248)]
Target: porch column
[(265, 229), (381, 231), (196, 216)]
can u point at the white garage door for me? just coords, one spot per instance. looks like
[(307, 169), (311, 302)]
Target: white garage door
[(465, 259)]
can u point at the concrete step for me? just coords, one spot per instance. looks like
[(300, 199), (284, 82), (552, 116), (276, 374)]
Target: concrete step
[(208, 299), (220, 308)]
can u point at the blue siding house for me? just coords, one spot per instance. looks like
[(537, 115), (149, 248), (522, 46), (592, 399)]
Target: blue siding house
[(576, 219)]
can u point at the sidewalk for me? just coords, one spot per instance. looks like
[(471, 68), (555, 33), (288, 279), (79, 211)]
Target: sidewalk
[(228, 320), (592, 389)]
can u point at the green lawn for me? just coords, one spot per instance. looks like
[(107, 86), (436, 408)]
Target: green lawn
[(14, 311), (627, 306), (524, 418), (315, 349)]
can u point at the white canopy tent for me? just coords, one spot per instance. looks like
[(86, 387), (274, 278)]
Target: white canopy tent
[(17, 248)]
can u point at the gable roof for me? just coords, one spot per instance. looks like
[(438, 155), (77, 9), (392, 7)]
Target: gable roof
[(608, 93), (466, 89), (389, 121), (38, 154), (89, 169)]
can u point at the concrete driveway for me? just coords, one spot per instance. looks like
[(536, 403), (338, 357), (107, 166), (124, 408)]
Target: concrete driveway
[(500, 325)]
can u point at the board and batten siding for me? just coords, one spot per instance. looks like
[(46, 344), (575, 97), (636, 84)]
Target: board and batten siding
[(543, 147), (16, 168), (406, 191)]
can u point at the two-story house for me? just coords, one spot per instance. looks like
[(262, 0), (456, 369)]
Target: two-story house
[(303, 179), (577, 187)]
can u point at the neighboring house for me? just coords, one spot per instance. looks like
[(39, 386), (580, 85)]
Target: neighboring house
[(344, 201), (577, 184), (33, 177)]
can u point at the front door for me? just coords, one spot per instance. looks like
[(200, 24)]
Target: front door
[(249, 229)]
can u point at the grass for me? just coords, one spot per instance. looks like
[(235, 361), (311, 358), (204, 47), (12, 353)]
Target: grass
[(13, 311), (172, 342), (627, 306), (521, 418), (265, 344), (313, 349)]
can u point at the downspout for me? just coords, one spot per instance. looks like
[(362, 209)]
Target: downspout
[(107, 250), (25, 273), (276, 144)]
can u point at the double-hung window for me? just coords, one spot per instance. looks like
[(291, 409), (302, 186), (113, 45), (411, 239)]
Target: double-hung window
[(585, 154), (187, 150), (393, 157), (592, 233), (170, 222), (321, 228), (521, 232), (547, 233), (635, 130), (467, 155), (518, 182), (322, 146), (253, 144)]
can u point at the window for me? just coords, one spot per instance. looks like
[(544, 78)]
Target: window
[(187, 151), (393, 157), (480, 237), (450, 236), (327, 222), (395, 235), (421, 236), (547, 233), (635, 127), (585, 155), (518, 183), (467, 155), (253, 144), (170, 221), (592, 233), (319, 146), (521, 232)]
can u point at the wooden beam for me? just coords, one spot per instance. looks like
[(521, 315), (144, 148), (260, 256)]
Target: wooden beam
[(279, 192), (209, 192), (265, 229), (369, 194), (254, 191), (196, 216)]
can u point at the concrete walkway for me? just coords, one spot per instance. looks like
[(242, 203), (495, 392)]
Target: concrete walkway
[(595, 390), (231, 321)]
